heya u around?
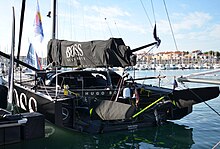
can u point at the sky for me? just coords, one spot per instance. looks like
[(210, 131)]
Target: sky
[(195, 23)]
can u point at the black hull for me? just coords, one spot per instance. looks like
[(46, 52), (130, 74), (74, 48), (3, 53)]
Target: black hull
[(71, 112), (55, 112), (197, 94), (28, 101)]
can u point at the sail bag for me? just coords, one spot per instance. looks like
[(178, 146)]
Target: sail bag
[(97, 53)]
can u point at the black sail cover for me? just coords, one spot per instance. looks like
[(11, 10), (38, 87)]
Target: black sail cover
[(97, 53)]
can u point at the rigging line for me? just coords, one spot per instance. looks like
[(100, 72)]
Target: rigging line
[(108, 27), (170, 25), (84, 24), (117, 29), (146, 13), (151, 49), (57, 22), (153, 11), (145, 54), (71, 13), (203, 101), (45, 88), (101, 22), (119, 81)]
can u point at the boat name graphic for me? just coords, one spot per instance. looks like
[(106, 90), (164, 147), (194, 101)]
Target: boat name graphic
[(132, 127), (74, 51), (24, 103), (98, 93)]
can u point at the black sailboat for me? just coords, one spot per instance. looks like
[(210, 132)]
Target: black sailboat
[(100, 100)]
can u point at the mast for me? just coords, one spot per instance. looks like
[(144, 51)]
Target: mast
[(54, 33), (21, 28), (11, 68), (53, 2)]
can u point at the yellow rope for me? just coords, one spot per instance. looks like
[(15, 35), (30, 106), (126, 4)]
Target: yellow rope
[(148, 107), (76, 94)]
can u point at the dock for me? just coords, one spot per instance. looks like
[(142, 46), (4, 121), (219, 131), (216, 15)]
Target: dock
[(15, 128)]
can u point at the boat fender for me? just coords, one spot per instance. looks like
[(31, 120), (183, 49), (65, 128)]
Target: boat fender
[(90, 112), (126, 93), (137, 96)]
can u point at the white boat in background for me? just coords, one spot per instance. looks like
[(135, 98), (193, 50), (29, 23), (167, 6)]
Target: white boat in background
[(208, 66), (216, 66), (160, 67), (171, 66), (142, 67), (198, 66)]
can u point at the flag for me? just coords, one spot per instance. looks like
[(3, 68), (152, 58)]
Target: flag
[(32, 58), (38, 27), (38, 64)]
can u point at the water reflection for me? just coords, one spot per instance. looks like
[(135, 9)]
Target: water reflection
[(167, 136)]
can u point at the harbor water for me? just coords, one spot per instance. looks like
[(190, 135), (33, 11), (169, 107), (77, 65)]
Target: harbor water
[(198, 130)]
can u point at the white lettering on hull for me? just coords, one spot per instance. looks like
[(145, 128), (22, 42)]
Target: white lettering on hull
[(25, 103)]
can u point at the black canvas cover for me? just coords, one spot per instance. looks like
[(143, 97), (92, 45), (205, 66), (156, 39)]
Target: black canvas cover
[(112, 110), (97, 53)]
